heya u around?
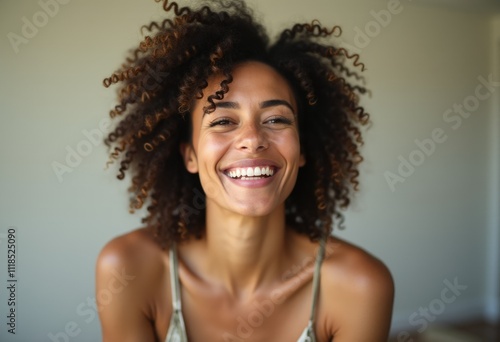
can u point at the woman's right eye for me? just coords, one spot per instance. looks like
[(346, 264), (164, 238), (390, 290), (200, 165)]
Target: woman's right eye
[(219, 122)]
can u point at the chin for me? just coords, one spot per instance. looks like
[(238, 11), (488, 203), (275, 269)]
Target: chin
[(253, 209)]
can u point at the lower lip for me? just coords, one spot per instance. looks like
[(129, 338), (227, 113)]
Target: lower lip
[(252, 183)]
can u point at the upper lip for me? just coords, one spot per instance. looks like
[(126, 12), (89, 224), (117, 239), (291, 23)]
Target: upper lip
[(251, 163)]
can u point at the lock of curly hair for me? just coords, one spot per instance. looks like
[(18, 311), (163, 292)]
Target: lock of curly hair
[(159, 81)]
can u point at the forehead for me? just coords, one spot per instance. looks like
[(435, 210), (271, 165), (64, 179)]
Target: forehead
[(253, 81)]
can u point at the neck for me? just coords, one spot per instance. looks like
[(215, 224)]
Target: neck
[(244, 253)]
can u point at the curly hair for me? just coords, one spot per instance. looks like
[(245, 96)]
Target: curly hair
[(163, 77)]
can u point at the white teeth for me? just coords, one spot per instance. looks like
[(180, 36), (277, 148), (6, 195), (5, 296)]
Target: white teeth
[(248, 172)]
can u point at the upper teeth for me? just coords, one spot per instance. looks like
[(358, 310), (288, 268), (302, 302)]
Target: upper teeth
[(251, 172)]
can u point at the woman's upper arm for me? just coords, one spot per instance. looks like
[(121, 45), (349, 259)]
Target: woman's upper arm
[(366, 302), (370, 317), (120, 301)]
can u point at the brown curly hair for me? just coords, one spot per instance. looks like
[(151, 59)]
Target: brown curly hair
[(163, 77)]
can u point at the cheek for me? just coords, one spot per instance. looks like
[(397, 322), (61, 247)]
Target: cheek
[(211, 148), (289, 144), (213, 141)]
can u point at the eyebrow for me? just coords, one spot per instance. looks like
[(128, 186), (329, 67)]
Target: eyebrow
[(273, 103), (264, 104)]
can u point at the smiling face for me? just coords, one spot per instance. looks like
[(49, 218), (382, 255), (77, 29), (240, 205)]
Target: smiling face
[(247, 151)]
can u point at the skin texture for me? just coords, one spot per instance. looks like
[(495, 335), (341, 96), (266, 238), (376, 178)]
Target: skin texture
[(247, 259)]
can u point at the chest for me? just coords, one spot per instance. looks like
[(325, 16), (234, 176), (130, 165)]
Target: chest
[(280, 314), (267, 318)]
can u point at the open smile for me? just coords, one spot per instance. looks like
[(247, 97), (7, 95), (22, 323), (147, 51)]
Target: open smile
[(249, 173), (252, 173)]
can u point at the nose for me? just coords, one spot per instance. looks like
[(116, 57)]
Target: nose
[(252, 138)]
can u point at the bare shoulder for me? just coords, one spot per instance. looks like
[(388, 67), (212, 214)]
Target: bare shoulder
[(130, 249), (359, 292), (129, 269), (135, 253), (355, 268)]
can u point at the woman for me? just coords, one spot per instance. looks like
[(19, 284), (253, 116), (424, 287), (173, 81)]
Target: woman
[(243, 152)]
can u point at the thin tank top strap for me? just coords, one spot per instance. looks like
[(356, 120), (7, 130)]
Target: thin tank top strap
[(174, 279), (316, 278), (308, 334), (177, 329)]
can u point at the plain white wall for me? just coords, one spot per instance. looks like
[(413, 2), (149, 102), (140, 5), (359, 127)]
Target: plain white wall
[(438, 225)]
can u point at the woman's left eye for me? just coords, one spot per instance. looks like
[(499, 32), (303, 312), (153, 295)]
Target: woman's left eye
[(279, 120)]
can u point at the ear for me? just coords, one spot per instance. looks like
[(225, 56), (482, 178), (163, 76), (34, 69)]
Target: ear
[(302, 160), (189, 156)]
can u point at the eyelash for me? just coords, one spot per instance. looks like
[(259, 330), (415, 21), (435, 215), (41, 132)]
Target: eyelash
[(218, 122), (225, 122), (280, 120)]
